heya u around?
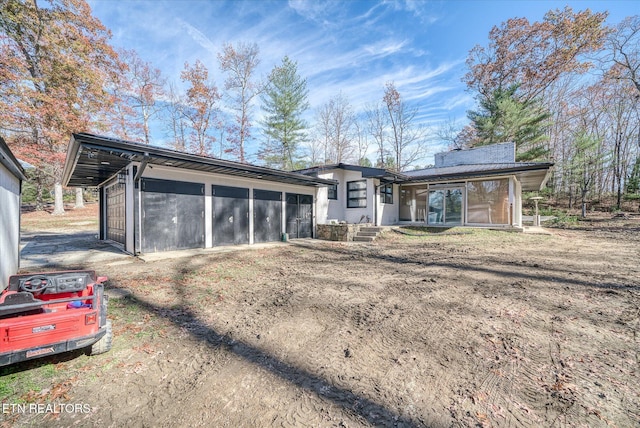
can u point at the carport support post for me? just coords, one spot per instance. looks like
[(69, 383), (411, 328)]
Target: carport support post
[(101, 215)]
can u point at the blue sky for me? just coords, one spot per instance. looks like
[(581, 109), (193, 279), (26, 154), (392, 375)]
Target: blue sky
[(353, 47)]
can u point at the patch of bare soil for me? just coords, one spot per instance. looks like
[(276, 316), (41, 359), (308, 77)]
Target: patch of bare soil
[(482, 329)]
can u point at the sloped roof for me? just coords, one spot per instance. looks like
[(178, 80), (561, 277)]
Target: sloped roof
[(367, 172), (532, 175), (10, 162), (93, 159)]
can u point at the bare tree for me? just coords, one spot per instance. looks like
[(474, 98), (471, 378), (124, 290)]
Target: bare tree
[(449, 132), (406, 138), (146, 86), (362, 144), (240, 63), (377, 123), (175, 123), (624, 44), (335, 125)]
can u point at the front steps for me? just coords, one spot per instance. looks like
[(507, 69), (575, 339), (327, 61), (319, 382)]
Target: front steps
[(368, 234)]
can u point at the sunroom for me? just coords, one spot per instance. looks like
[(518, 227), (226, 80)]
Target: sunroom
[(470, 195)]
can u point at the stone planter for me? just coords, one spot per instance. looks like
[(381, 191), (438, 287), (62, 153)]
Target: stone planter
[(337, 232)]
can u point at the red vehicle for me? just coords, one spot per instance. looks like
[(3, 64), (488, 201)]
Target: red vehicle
[(50, 313)]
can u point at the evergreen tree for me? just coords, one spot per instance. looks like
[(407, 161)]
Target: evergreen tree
[(502, 117), (284, 100)]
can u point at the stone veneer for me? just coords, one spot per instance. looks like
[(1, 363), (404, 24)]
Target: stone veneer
[(337, 232)]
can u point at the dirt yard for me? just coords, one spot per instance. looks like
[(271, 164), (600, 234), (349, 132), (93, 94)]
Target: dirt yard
[(461, 328)]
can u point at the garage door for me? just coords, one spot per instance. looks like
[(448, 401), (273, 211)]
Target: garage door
[(116, 213), (267, 216), (172, 215), (299, 215), (230, 215)]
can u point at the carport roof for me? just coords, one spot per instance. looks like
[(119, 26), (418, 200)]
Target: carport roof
[(92, 160)]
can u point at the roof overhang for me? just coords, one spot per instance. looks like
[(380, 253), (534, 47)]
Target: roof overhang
[(532, 176), (10, 162), (92, 160), (384, 175)]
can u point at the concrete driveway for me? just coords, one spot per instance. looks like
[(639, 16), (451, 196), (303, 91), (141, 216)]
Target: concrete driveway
[(66, 249)]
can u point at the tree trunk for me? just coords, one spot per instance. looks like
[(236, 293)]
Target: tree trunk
[(58, 208), (79, 198), (39, 194)]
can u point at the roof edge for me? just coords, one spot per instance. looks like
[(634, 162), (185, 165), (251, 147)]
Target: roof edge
[(10, 162)]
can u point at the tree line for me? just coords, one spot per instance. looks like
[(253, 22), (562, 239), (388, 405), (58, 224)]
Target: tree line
[(564, 89)]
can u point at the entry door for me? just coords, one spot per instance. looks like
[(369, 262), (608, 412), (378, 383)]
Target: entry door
[(230, 215), (116, 213), (299, 215), (445, 206), (172, 215), (267, 215)]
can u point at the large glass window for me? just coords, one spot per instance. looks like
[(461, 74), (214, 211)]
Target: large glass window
[(357, 194), (445, 206), (386, 193), (488, 201)]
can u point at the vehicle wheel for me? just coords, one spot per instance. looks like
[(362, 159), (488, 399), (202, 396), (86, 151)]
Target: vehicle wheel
[(104, 344)]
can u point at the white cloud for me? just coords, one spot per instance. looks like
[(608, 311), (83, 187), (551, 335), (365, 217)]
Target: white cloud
[(198, 37)]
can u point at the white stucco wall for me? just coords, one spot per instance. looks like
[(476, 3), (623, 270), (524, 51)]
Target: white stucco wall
[(9, 225), (388, 213), (336, 209)]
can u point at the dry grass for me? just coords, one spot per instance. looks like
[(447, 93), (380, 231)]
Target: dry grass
[(72, 219)]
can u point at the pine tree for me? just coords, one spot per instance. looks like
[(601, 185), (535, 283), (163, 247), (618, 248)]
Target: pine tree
[(504, 118), (284, 101)]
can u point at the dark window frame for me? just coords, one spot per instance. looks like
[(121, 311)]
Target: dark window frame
[(386, 193), (354, 202), (332, 192)]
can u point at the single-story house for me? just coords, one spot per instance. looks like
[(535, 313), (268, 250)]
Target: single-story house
[(154, 199), (11, 178), (475, 187)]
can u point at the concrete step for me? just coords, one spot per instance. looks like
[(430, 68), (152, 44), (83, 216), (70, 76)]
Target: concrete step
[(371, 229), (364, 238), (363, 233)]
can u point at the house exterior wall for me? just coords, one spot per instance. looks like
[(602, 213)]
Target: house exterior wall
[(389, 213), (210, 179), (336, 209), (494, 153), (332, 209), (9, 225)]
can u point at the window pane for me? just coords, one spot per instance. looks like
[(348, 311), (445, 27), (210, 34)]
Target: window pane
[(488, 201), (357, 185), (436, 207), (332, 191), (357, 194)]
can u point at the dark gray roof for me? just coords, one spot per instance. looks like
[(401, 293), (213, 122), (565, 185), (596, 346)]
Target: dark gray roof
[(533, 175), (10, 162), (92, 160), (367, 172)]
